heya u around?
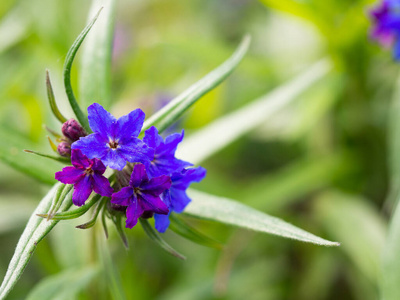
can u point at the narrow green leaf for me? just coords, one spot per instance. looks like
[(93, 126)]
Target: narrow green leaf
[(65, 285), (96, 212), (234, 213), (67, 75), (180, 227), (11, 145), (95, 67), (152, 234), (52, 100), (173, 110), (229, 128), (390, 275), (73, 214), (36, 229), (61, 159)]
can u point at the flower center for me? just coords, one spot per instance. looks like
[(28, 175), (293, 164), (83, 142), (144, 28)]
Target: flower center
[(89, 171), (113, 144)]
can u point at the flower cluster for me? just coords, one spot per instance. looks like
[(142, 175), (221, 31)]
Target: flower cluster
[(386, 28), (150, 179)]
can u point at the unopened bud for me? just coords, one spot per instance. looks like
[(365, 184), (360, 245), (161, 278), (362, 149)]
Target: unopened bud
[(73, 130), (64, 149)]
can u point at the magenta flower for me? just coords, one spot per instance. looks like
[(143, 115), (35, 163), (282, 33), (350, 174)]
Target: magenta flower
[(164, 161), (114, 141), (86, 175), (142, 195), (176, 197)]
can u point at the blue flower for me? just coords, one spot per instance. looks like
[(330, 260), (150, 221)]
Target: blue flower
[(142, 195), (386, 28), (176, 198), (114, 141), (86, 175), (164, 161)]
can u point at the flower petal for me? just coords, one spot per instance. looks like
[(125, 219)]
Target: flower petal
[(134, 150), (152, 203), (172, 141), (93, 146), (152, 138), (124, 197), (162, 222), (156, 185), (98, 166), (82, 190), (183, 179), (70, 175), (100, 120), (179, 200), (79, 160), (101, 185), (133, 212), (129, 125), (114, 159), (138, 175)]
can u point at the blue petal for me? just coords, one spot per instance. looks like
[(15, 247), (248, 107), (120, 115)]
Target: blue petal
[(129, 125), (124, 197), (156, 185), (114, 159), (93, 146), (179, 200), (161, 222), (134, 150), (183, 179), (172, 141), (138, 176), (152, 138), (100, 120), (152, 203), (133, 212), (82, 190), (396, 50)]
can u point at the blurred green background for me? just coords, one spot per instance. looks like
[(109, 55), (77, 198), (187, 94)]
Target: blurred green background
[(323, 163)]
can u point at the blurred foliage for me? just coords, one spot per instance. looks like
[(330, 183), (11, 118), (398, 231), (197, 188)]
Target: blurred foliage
[(321, 163)]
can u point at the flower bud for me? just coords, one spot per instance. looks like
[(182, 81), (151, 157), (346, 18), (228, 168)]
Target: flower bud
[(73, 130), (64, 149)]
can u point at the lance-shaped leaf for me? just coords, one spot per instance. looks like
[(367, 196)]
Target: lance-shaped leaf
[(36, 229), (67, 75), (227, 129), (234, 213), (174, 109), (95, 68)]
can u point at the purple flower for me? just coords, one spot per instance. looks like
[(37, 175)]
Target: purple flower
[(176, 198), (164, 161), (86, 175), (386, 28), (142, 195), (114, 141)]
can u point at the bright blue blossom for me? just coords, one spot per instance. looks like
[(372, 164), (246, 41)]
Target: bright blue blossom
[(142, 195), (86, 175), (386, 28), (114, 141), (176, 197), (164, 161)]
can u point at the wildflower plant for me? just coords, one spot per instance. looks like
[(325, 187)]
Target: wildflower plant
[(125, 171)]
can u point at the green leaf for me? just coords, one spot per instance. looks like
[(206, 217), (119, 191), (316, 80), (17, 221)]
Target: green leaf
[(36, 229), (180, 227), (67, 75), (234, 213), (11, 153), (390, 275), (60, 159), (174, 109), (64, 285), (358, 225), (52, 100), (229, 128), (95, 67), (152, 234)]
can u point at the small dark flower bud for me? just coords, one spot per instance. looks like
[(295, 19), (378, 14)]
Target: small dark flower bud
[(73, 130), (147, 214), (64, 149)]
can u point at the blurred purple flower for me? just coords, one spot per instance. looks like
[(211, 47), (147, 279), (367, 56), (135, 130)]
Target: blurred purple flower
[(386, 28), (164, 161), (114, 141), (176, 198), (142, 195), (86, 175)]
